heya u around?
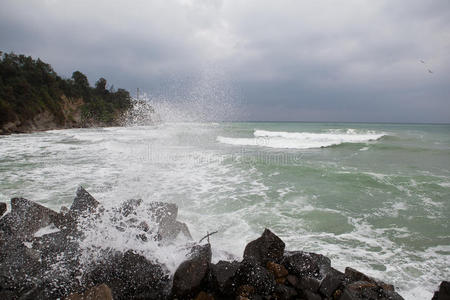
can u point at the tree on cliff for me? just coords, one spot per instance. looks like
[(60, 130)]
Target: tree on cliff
[(29, 87)]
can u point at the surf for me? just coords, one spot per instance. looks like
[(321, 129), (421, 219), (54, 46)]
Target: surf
[(302, 140)]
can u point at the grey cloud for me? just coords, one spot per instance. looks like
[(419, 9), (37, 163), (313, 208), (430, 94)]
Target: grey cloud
[(285, 60)]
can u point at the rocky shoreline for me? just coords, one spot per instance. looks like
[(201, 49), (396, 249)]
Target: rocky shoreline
[(40, 259)]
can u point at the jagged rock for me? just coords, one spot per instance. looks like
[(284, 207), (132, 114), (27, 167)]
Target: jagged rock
[(268, 247), (204, 296), (309, 284), (246, 291), (293, 280), (311, 295), (20, 267), (83, 203), (221, 275), (26, 217), (443, 293), (169, 230), (59, 245), (129, 276), (283, 292), (361, 290), (250, 272), (163, 212), (333, 279), (100, 292), (191, 273), (305, 264), (3, 208), (279, 271), (352, 275), (130, 206)]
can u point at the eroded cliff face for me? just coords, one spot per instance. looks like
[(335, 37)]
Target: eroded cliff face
[(46, 120)]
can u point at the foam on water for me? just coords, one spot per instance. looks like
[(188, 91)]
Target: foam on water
[(348, 204), (301, 140)]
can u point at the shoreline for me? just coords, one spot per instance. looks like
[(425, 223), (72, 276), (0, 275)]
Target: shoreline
[(34, 239)]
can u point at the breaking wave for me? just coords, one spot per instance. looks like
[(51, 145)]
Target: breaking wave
[(302, 140)]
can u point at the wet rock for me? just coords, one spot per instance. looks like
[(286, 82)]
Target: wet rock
[(332, 281), (268, 247), (19, 267), (250, 272), (367, 290), (129, 276), (204, 296), (293, 280), (58, 246), (64, 221), (309, 284), (221, 275), (279, 271), (246, 291), (311, 295), (163, 212), (285, 292), (444, 291), (3, 208), (130, 206), (352, 275), (26, 217), (100, 292), (169, 230), (190, 275), (305, 264), (83, 203)]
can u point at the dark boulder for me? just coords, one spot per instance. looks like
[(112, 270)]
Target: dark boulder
[(26, 217), (305, 264), (65, 220), (163, 212), (20, 267), (58, 246), (361, 290), (268, 247), (130, 206), (3, 208), (283, 292), (250, 272), (352, 275), (168, 230), (444, 291), (309, 284), (221, 276), (278, 271), (99, 292), (192, 273), (332, 281), (83, 203), (129, 275), (308, 295)]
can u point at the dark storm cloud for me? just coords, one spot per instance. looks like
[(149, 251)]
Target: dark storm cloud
[(286, 60)]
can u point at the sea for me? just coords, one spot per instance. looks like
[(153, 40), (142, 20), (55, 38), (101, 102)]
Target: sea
[(375, 197)]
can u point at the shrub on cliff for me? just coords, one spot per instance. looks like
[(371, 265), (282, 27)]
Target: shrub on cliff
[(29, 87)]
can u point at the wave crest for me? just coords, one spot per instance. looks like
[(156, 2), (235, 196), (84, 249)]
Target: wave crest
[(302, 140)]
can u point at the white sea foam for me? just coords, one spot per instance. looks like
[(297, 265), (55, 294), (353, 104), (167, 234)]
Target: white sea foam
[(301, 140)]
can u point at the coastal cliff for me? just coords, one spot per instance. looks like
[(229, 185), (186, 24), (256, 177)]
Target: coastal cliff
[(33, 97)]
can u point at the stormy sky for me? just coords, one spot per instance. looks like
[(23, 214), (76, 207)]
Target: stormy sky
[(321, 60)]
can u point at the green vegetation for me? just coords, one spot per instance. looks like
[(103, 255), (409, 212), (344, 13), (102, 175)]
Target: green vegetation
[(29, 87)]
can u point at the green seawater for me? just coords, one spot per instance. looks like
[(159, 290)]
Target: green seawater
[(375, 197)]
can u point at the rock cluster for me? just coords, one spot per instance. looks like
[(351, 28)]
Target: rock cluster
[(267, 271)]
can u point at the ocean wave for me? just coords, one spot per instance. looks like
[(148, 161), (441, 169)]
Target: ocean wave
[(302, 140)]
